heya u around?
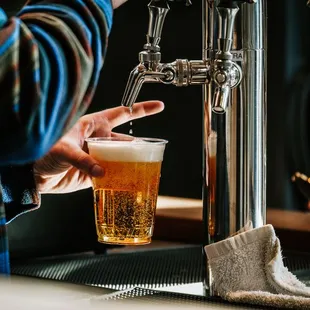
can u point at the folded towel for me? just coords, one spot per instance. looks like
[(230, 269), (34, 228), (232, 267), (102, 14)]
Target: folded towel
[(248, 267)]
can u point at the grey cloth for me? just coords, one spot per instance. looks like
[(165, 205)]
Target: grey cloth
[(248, 267)]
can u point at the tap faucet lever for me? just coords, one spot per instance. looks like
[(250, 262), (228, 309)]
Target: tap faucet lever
[(226, 24), (158, 10)]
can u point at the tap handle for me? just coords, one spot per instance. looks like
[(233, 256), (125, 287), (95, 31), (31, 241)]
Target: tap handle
[(158, 10), (226, 24)]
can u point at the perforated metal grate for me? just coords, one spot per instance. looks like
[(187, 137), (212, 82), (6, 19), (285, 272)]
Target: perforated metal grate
[(146, 270), (296, 261), (149, 269)]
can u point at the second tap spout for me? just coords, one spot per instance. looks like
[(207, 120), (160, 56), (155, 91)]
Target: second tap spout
[(221, 99), (226, 75)]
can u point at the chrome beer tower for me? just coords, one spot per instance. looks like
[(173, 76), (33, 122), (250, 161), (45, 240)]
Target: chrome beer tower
[(232, 73)]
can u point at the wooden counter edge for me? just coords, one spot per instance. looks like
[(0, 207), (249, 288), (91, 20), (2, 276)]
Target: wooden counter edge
[(184, 223)]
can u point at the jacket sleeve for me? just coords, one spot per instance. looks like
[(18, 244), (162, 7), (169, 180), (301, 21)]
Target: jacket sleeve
[(18, 188), (51, 55)]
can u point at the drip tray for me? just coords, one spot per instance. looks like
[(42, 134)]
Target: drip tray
[(152, 274), (149, 269)]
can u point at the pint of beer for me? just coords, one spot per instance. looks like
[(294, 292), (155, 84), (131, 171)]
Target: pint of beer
[(125, 197)]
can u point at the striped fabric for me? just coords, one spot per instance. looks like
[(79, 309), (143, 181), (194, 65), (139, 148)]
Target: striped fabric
[(51, 55)]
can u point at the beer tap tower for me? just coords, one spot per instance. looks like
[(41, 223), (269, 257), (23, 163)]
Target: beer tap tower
[(232, 73)]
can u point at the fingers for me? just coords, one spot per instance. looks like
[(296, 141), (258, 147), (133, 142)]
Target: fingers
[(121, 136), (117, 3), (101, 123), (82, 161), (120, 115)]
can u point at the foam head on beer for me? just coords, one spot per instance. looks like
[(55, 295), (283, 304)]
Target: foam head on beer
[(134, 150)]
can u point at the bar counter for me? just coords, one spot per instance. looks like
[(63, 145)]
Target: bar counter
[(166, 274), (180, 219)]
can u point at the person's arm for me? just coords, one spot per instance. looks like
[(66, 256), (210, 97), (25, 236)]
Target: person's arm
[(50, 55), (50, 59)]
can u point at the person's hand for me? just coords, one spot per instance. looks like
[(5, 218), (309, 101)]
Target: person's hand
[(68, 167), (117, 3)]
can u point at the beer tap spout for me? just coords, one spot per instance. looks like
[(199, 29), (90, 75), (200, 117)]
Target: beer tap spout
[(137, 77), (133, 87)]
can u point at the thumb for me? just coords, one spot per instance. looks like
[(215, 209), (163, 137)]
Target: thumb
[(84, 162)]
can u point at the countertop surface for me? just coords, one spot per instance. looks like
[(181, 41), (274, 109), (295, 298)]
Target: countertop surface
[(180, 219), (28, 293), (191, 210)]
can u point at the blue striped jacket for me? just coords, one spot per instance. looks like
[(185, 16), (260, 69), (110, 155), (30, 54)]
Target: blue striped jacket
[(51, 54)]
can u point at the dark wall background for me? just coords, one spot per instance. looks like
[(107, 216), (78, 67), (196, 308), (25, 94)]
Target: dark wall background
[(65, 223)]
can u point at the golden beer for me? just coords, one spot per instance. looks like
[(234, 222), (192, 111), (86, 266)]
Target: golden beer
[(125, 197)]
